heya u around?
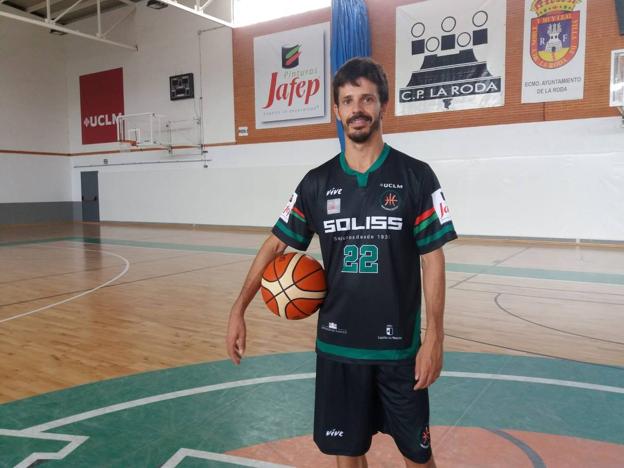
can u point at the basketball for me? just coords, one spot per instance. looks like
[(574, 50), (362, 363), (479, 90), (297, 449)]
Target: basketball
[(293, 286)]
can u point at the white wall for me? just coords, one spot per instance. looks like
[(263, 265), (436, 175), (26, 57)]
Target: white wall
[(33, 114), (508, 180), (31, 179), (33, 97)]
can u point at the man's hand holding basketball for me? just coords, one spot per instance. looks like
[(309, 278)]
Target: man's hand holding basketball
[(236, 334)]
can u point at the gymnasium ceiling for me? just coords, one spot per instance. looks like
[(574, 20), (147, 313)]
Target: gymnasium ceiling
[(84, 9)]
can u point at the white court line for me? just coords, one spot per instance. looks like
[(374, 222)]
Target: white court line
[(84, 293), (74, 442), (181, 454), (164, 397), (538, 380), (284, 378), (35, 431)]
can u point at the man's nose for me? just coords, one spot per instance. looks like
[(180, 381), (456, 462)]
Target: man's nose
[(357, 107)]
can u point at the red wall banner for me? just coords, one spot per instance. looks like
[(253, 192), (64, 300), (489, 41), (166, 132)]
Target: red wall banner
[(101, 102)]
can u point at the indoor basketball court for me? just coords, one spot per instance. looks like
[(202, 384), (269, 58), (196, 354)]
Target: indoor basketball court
[(146, 153)]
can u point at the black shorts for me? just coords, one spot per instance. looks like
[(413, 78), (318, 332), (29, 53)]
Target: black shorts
[(355, 401)]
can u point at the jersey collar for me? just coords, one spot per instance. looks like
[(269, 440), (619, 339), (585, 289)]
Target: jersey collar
[(362, 177)]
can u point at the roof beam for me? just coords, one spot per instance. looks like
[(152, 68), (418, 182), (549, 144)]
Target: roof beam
[(197, 10), (40, 5), (66, 11), (48, 24)]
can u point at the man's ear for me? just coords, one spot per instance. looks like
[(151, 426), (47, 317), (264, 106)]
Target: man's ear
[(384, 108), (336, 113)]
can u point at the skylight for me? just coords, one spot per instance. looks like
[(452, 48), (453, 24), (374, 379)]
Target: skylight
[(248, 12)]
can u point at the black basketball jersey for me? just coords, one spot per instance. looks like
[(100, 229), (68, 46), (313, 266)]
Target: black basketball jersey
[(372, 228)]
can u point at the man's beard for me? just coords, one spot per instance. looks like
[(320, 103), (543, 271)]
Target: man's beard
[(356, 136)]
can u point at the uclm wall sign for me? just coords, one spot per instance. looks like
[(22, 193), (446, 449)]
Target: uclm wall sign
[(101, 103)]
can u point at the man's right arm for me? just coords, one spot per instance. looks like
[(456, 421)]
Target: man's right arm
[(236, 334)]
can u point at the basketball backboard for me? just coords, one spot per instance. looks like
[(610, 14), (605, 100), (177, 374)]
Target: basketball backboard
[(151, 130), (142, 130)]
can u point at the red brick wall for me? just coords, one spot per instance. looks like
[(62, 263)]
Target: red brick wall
[(602, 37)]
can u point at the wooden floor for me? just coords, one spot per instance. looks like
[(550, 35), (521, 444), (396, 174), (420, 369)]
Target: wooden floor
[(64, 323)]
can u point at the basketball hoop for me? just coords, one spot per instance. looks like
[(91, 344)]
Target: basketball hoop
[(142, 130)]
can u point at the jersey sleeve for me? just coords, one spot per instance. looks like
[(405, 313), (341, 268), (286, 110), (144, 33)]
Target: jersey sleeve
[(293, 227), (433, 226)]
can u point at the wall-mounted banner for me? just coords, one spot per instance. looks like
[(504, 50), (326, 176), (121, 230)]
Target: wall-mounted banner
[(101, 102), (554, 50), (291, 71), (450, 55)]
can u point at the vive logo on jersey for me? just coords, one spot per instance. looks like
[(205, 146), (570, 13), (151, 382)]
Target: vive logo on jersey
[(334, 433), (390, 200), (334, 192), (439, 203), (377, 223)]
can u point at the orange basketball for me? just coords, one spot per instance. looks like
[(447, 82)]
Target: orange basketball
[(293, 286)]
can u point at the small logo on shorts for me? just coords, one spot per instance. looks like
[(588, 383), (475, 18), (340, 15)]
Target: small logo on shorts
[(334, 433), (425, 438), (389, 330)]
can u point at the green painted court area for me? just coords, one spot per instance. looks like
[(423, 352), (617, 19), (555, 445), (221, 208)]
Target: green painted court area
[(144, 419)]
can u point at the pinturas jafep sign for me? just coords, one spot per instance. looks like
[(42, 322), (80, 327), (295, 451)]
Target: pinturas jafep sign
[(290, 70)]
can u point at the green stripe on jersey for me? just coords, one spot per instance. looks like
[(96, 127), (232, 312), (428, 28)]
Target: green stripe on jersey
[(436, 236), (300, 218), (298, 237), (375, 354), (426, 223)]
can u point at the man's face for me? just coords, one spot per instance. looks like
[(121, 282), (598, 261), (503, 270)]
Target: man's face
[(359, 110)]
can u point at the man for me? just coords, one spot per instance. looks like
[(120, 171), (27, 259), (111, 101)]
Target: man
[(379, 214)]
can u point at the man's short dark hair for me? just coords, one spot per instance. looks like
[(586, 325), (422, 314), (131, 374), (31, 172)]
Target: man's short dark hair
[(361, 67)]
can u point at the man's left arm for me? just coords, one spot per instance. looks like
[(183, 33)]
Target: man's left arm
[(429, 357)]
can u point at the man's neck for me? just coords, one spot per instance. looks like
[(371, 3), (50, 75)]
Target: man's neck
[(361, 156)]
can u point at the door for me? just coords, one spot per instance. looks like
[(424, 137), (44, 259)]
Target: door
[(90, 202)]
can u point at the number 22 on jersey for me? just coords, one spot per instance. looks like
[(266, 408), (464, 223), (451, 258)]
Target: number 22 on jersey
[(360, 260)]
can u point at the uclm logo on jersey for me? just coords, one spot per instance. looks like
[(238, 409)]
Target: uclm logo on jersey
[(101, 103), (291, 87)]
